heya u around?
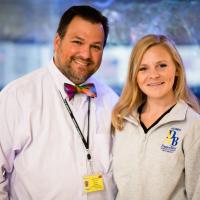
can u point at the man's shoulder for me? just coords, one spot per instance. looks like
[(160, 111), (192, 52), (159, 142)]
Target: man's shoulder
[(26, 81), (105, 92)]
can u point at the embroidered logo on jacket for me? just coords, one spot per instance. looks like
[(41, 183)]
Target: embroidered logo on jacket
[(170, 143)]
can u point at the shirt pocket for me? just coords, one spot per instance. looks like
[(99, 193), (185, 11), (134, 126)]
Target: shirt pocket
[(103, 123), (103, 129)]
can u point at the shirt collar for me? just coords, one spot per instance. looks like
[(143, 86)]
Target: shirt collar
[(60, 79)]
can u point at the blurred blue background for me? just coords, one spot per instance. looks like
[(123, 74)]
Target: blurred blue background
[(27, 29)]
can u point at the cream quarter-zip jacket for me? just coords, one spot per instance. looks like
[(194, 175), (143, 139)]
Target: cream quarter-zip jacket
[(163, 164)]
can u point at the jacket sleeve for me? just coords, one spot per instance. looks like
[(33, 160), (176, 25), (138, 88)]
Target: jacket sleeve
[(192, 163)]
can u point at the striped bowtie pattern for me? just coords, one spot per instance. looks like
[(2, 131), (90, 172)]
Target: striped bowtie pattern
[(87, 89)]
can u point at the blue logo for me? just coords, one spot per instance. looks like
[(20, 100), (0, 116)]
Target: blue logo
[(171, 141)]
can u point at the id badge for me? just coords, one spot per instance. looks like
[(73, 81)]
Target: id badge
[(93, 183)]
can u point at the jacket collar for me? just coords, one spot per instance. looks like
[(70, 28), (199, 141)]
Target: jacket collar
[(178, 113)]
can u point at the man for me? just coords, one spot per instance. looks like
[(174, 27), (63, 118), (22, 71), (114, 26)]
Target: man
[(55, 141)]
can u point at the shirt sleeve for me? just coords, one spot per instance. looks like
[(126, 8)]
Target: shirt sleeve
[(192, 164), (7, 119)]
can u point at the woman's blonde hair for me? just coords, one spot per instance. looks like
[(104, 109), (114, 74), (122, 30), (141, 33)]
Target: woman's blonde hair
[(132, 96)]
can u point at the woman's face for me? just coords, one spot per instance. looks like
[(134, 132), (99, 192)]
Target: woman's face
[(157, 73)]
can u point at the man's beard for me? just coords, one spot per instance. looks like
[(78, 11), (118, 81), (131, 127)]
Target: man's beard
[(77, 76)]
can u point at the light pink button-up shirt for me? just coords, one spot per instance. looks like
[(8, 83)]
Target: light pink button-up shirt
[(41, 154)]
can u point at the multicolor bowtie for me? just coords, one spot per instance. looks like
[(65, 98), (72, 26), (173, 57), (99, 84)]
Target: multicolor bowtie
[(88, 89)]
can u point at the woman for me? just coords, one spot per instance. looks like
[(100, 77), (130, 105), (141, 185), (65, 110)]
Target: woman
[(157, 127)]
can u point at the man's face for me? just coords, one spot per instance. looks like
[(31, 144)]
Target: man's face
[(78, 55)]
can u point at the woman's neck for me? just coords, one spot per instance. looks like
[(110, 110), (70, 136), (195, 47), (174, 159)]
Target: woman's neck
[(157, 105)]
